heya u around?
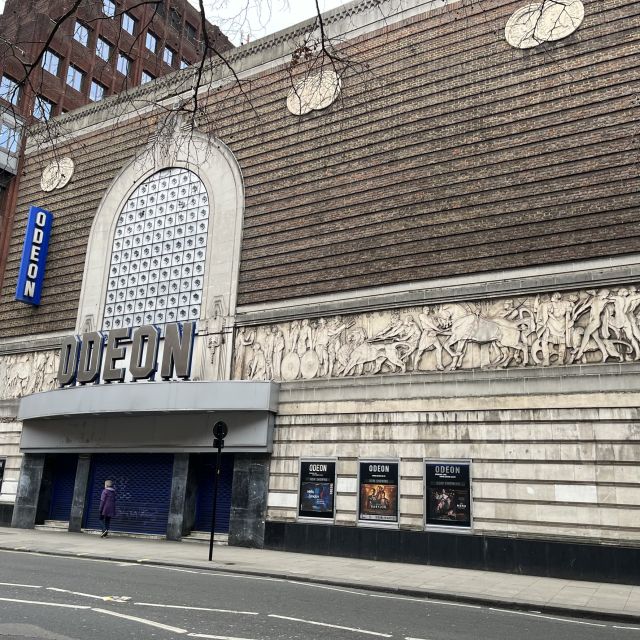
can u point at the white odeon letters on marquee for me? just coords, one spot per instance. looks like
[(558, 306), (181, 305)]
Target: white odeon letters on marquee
[(123, 354)]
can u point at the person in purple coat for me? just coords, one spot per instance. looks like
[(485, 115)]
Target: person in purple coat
[(107, 506)]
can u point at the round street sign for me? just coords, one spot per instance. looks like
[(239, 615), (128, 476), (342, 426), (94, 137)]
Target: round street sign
[(220, 430)]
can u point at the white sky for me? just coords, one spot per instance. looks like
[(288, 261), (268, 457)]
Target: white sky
[(257, 18), (252, 19)]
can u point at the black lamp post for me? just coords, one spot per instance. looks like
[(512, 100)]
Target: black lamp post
[(220, 431)]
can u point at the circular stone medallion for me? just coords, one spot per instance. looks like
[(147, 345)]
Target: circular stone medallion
[(550, 20), (309, 365), (57, 174), (290, 367), (314, 92), (560, 19)]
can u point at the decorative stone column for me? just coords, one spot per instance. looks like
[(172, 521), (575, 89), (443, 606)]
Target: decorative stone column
[(249, 500), (26, 506), (80, 492), (179, 485)]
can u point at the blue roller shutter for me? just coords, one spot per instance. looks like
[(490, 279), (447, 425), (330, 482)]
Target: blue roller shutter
[(143, 491), (63, 471), (205, 466)]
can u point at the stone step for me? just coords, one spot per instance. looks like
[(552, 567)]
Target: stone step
[(53, 525), (203, 536)]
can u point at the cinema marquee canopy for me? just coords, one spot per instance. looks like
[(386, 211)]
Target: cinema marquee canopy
[(173, 414)]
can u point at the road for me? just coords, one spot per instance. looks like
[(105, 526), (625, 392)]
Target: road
[(61, 598)]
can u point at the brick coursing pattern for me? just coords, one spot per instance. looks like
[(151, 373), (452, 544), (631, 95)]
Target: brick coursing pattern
[(448, 152)]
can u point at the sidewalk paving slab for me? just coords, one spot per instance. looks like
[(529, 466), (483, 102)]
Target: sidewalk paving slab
[(599, 600)]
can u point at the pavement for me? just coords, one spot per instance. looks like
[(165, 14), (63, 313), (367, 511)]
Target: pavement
[(600, 600)]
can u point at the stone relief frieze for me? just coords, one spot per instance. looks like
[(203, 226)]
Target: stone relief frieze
[(26, 373), (552, 329)]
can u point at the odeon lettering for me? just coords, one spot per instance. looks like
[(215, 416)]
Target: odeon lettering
[(447, 469), (93, 356), (317, 467), (379, 468), (34, 256)]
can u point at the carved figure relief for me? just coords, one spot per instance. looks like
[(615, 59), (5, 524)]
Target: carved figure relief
[(552, 329), (24, 374)]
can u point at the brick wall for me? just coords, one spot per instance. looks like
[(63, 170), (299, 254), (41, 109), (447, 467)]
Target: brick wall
[(449, 152)]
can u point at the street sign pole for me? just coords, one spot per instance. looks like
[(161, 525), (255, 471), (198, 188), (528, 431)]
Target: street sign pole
[(220, 431)]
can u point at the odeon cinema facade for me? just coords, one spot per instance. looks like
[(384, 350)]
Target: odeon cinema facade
[(405, 276)]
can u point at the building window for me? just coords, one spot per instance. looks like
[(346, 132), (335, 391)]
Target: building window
[(123, 64), (3, 462), (75, 77), (9, 90), (51, 62), (109, 8), (9, 138), (184, 63), (156, 273), (190, 32), (151, 42), (103, 49), (146, 77), (128, 23), (96, 92), (175, 20), (81, 34), (168, 55), (42, 108)]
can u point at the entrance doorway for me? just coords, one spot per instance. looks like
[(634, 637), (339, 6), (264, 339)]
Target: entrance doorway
[(143, 491), (204, 470)]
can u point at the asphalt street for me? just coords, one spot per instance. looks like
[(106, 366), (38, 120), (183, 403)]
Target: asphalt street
[(61, 598)]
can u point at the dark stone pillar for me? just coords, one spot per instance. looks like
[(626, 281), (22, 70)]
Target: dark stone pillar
[(80, 492), (249, 500), (26, 505), (190, 498), (179, 484)]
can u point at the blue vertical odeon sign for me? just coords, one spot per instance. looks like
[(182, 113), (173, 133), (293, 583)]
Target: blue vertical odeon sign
[(34, 256)]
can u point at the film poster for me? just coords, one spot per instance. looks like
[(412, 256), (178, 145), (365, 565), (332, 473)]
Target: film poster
[(317, 489), (379, 492), (448, 494)]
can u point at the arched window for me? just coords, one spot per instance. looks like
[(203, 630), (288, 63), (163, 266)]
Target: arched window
[(157, 266)]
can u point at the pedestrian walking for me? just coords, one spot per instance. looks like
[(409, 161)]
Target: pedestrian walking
[(107, 506)]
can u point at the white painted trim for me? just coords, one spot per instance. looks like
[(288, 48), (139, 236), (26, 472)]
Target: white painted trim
[(217, 167)]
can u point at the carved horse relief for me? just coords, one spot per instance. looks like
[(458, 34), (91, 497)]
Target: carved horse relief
[(468, 326)]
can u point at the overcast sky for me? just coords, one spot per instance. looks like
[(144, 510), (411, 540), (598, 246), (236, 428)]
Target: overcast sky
[(252, 19), (257, 18)]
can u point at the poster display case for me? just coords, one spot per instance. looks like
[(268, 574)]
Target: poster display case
[(447, 491), (378, 491), (317, 490)]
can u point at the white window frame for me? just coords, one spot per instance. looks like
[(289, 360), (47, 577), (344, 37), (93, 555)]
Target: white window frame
[(81, 34), (128, 23), (42, 108), (151, 42), (9, 90), (95, 88), (127, 62), (146, 77), (101, 43), (184, 63), (9, 138), (170, 54), (51, 62), (109, 8), (73, 73)]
